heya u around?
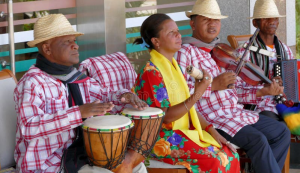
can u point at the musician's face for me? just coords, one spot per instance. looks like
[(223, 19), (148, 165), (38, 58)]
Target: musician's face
[(62, 50), (169, 40), (267, 26), (205, 29)]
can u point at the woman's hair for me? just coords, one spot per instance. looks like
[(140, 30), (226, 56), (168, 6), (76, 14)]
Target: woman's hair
[(150, 28)]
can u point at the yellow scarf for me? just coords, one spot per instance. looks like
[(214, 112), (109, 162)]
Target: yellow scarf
[(178, 92)]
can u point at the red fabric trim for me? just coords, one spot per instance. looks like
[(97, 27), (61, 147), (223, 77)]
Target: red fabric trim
[(205, 49)]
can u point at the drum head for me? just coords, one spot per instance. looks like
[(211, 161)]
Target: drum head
[(107, 122), (147, 113)]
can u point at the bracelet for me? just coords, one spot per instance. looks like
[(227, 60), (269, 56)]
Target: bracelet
[(186, 106), (207, 127)]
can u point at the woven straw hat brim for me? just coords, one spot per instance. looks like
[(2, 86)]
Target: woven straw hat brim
[(33, 43), (266, 17), (265, 9), (211, 16)]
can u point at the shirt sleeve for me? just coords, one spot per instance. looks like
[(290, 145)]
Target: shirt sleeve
[(289, 52), (247, 93), (150, 87), (105, 94), (33, 119), (83, 67)]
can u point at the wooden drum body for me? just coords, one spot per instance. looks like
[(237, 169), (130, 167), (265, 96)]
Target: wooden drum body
[(106, 139), (146, 129)]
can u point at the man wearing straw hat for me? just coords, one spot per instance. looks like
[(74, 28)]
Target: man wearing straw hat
[(53, 97), (265, 140), (266, 18)]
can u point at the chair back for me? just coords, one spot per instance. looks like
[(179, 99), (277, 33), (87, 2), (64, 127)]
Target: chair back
[(112, 70), (236, 40), (8, 119)]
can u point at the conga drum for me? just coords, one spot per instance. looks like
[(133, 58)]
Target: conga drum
[(146, 129), (106, 139)]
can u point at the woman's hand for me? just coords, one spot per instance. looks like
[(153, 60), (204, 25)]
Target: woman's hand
[(220, 139), (201, 85)]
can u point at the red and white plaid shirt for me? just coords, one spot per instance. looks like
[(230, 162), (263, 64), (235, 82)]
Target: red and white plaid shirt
[(220, 108), (268, 104), (113, 71), (45, 122)]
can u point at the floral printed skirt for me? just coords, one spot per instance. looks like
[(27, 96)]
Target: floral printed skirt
[(173, 147)]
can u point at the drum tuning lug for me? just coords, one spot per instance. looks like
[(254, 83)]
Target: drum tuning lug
[(284, 99)]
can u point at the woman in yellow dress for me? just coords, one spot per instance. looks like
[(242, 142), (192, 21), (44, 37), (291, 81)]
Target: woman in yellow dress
[(186, 138)]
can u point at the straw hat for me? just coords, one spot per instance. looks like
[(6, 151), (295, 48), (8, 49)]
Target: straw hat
[(265, 9), (51, 26), (207, 8)]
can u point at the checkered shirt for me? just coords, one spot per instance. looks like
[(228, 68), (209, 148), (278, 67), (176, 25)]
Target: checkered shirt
[(45, 122), (113, 71), (268, 103), (220, 108)]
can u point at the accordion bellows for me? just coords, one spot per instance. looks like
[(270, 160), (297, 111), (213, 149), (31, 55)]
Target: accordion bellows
[(291, 116)]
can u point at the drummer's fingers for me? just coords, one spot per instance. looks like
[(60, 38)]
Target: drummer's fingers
[(137, 102), (105, 107), (141, 104), (134, 101), (100, 107), (109, 105), (98, 111), (144, 104)]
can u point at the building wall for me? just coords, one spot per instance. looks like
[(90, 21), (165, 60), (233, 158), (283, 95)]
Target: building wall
[(237, 23)]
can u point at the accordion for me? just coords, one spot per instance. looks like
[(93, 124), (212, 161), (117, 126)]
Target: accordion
[(289, 70)]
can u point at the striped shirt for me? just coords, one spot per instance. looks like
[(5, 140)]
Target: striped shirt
[(45, 122), (221, 107), (113, 71)]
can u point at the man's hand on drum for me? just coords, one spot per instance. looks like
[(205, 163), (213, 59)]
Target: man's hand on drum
[(220, 139), (224, 81), (95, 108), (270, 89), (134, 100)]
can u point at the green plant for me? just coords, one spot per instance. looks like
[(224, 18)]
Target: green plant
[(35, 14)]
